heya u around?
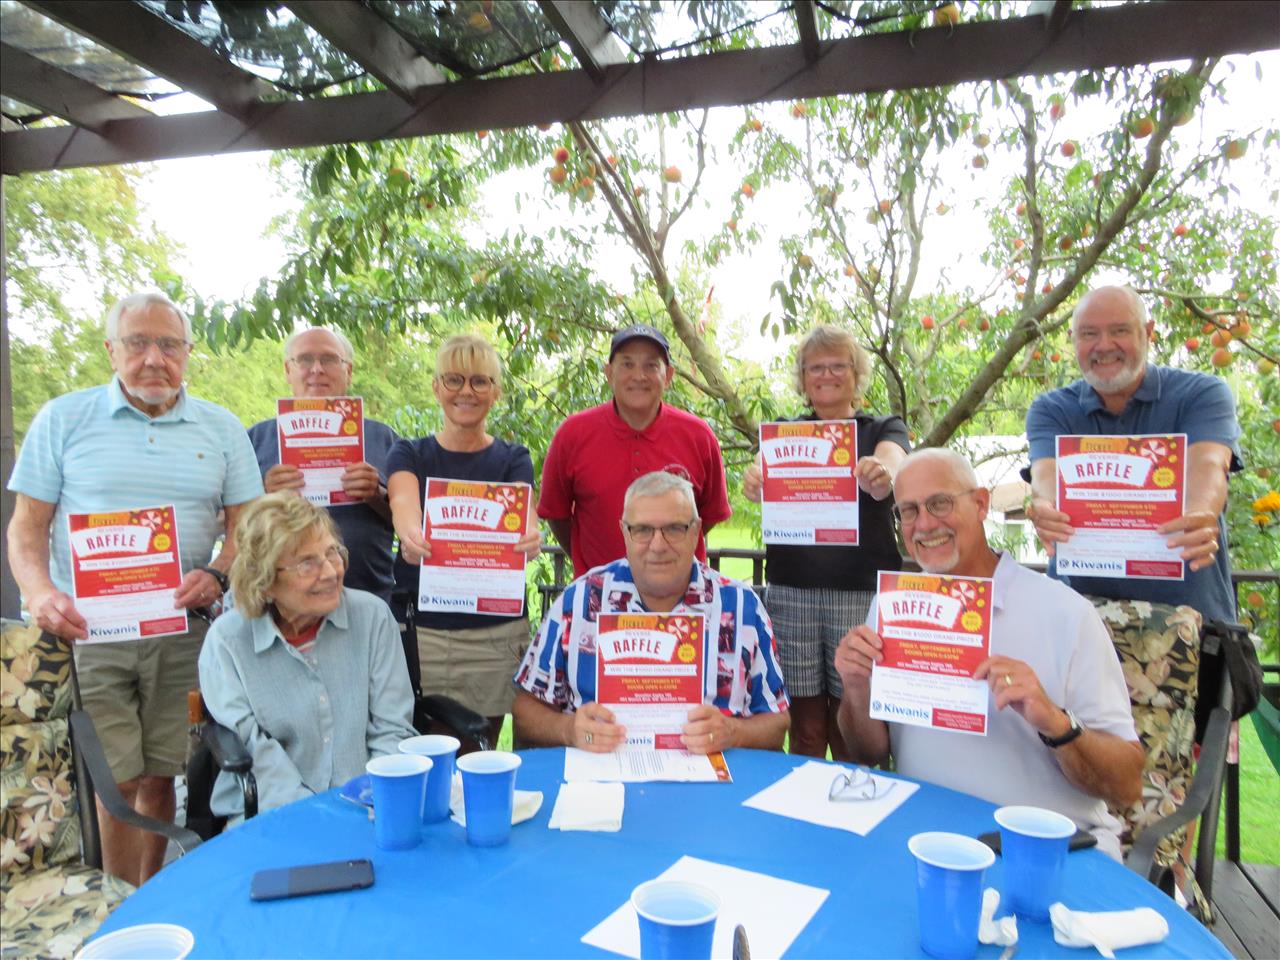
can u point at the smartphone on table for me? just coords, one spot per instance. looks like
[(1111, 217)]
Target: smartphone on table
[(304, 881)]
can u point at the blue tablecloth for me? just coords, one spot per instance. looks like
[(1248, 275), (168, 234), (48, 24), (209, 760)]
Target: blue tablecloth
[(539, 894)]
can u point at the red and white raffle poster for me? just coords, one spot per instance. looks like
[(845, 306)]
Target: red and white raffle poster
[(321, 436), (124, 570), (1117, 491), (473, 529), (649, 672), (809, 491), (935, 630)]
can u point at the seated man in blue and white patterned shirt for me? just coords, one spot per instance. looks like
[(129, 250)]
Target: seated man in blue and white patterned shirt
[(744, 699)]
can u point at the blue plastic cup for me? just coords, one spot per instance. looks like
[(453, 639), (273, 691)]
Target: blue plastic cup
[(1033, 845), (443, 751), (677, 919), (399, 785), (949, 871), (488, 795)]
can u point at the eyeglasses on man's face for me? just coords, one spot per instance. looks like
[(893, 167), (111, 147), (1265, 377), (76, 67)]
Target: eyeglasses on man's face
[(856, 785), (453, 382), (327, 361), (671, 532), (137, 345), (939, 505), (308, 568)]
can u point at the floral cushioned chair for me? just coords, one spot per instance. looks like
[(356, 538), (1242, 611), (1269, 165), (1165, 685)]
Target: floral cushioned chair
[(53, 889), (1159, 649)]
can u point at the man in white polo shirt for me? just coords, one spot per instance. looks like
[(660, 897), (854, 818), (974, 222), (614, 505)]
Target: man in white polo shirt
[(1060, 732), (138, 441)]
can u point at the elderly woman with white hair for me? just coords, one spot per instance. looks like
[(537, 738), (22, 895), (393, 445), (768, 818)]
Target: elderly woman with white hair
[(309, 673), (817, 594)]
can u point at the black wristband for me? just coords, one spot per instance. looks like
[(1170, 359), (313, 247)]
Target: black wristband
[(224, 584), (1072, 732)]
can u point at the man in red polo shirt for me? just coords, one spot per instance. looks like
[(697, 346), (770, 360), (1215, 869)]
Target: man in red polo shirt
[(596, 454)]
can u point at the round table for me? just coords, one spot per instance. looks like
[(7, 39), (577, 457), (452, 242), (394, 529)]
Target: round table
[(538, 895)]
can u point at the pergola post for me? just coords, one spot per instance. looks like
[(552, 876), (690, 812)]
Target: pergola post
[(10, 602)]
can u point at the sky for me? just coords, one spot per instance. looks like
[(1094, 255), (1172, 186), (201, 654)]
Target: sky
[(227, 247)]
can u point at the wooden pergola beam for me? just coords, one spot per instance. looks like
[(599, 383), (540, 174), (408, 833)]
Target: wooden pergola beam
[(807, 26), (580, 25), (1091, 39), (161, 49), (371, 42), (54, 91)]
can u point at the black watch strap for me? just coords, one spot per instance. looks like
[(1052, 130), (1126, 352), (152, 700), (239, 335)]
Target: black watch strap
[(223, 583), (1074, 731)]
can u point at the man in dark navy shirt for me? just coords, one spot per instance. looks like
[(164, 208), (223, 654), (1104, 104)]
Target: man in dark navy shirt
[(320, 363), (1122, 394)]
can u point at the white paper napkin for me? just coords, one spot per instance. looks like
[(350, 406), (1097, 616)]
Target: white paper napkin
[(802, 795), (588, 806), (774, 911), (1108, 931), (1002, 932), (527, 803)]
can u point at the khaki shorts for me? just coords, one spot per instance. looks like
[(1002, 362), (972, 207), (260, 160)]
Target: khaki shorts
[(474, 667), (135, 691)]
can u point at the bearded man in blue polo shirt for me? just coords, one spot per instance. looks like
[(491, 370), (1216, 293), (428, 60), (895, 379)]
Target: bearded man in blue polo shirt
[(1122, 394), (138, 441)]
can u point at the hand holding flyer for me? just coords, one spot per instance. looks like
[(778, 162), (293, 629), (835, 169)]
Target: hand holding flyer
[(649, 673), (472, 529), (321, 436), (935, 631), (809, 493), (125, 569), (1117, 491)]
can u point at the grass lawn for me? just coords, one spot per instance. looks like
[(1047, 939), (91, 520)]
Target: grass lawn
[(736, 538), (1259, 802)]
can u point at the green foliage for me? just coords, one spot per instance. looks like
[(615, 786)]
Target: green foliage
[(72, 231), (75, 242)]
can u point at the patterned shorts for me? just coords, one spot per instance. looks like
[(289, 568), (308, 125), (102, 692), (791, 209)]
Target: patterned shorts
[(808, 623)]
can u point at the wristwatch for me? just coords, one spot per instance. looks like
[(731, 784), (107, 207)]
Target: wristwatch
[(223, 583), (1074, 731)]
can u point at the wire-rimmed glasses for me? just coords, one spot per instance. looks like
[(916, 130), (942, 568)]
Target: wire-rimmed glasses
[(856, 785)]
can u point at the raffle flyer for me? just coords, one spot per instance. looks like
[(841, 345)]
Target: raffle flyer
[(649, 672), (809, 491), (1117, 491), (321, 436), (935, 630), (125, 569), (473, 529)]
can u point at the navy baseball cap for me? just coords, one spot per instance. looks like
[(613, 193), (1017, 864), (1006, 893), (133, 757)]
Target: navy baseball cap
[(640, 331)]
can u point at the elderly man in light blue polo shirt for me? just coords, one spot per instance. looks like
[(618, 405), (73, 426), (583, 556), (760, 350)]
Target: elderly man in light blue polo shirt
[(138, 441)]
